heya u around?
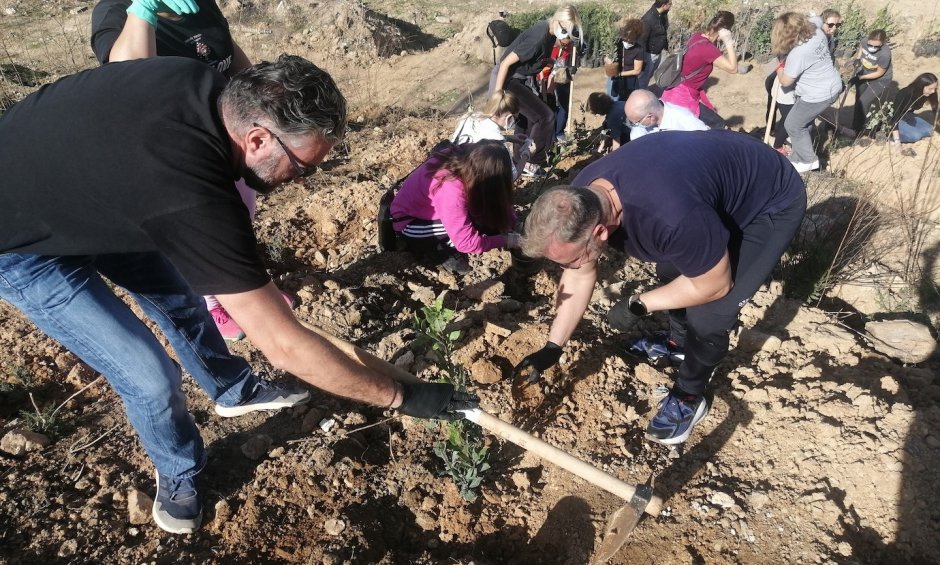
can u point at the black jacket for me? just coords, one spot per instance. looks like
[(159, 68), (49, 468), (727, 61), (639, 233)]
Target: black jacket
[(907, 100), (654, 38)]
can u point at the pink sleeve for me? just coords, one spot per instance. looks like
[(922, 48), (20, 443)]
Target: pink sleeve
[(450, 205)]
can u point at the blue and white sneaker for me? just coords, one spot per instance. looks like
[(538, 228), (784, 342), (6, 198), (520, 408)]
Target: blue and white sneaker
[(177, 508), (678, 413), (266, 395), (658, 349)]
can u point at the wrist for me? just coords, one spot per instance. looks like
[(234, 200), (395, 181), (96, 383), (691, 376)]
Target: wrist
[(398, 395), (142, 13), (637, 307)]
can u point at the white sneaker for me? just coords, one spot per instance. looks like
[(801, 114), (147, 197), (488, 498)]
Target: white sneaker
[(806, 167), (266, 395)]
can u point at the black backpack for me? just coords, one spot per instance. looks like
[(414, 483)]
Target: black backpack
[(389, 240), (501, 34)]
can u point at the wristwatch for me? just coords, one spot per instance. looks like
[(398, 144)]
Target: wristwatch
[(636, 306)]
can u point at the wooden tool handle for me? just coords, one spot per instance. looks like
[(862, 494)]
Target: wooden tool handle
[(502, 429)]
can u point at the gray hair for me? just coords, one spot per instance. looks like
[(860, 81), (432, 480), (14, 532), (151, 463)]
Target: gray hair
[(565, 214), (291, 95)]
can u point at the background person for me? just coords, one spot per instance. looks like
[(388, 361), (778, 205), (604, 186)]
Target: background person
[(816, 82), (497, 116), (122, 30), (555, 85), (873, 77), (521, 61), (458, 201), (910, 128), (162, 154), (615, 118), (648, 114), (629, 56), (716, 226), (701, 58), (654, 40), (830, 21)]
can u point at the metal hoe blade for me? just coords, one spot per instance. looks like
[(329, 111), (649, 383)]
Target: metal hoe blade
[(622, 523)]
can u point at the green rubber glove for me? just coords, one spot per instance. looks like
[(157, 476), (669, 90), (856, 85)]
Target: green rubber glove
[(147, 9)]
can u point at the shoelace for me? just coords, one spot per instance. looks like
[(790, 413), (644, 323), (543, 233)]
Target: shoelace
[(175, 486)]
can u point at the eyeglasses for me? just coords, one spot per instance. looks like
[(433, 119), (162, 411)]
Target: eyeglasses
[(639, 123), (833, 25), (301, 170), (575, 33)]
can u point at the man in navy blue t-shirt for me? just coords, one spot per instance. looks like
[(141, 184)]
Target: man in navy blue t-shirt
[(714, 209)]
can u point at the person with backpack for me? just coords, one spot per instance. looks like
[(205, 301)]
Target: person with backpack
[(523, 59), (808, 69), (700, 58), (628, 55), (458, 201), (655, 39)]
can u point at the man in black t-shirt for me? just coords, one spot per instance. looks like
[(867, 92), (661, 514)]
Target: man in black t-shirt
[(127, 171), (714, 209)]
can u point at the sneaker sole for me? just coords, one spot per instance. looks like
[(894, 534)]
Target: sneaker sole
[(700, 413), (168, 526), (235, 411)]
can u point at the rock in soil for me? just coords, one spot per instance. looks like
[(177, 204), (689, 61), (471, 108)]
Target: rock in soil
[(904, 340), (139, 506), (18, 442)]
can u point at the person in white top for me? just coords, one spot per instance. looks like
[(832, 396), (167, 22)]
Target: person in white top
[(648, 114), (498, 115)]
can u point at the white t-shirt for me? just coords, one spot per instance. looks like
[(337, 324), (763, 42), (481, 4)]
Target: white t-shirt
[(474, 128), (817, 80), (675, 118)]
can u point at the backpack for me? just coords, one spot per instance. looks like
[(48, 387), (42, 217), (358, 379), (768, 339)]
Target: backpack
[(389, 239), (501, 34), (669, 72)]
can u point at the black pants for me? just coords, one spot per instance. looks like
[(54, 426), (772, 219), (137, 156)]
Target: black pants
[(703, 330), (539, 120), (780, 133)]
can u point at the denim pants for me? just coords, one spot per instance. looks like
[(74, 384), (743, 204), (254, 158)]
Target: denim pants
[(913, 128), (798, 122), (650, 63), (67, 299), (702, 331)]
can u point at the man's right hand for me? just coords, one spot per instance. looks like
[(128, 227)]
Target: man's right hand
[(147, 10), (439, 401), (537, 363)]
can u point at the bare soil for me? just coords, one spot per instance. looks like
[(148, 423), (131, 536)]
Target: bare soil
[(817, 448)]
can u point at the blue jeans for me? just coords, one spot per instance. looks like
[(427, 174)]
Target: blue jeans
[(67, 299), (650, 63), (912, 128)]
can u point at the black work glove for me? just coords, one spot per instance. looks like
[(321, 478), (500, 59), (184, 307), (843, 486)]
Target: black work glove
[(538, 362), (439, 401)]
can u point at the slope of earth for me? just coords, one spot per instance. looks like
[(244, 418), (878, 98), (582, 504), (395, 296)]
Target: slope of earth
[(817, 449)]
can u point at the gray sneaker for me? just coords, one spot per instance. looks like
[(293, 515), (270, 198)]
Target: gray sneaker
[(267, 395), (177, 508)]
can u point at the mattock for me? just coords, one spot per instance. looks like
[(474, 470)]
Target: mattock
[(641, 498)]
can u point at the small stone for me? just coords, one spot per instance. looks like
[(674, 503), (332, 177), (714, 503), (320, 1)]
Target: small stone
[(334, 527), (139, 506), (904, 340), (321, 457), (521, 480), (492, 328), (405, 360), (18, 442), (757, 500), (311, 420), (442, 19), (69, 548), (326, 424), (133, 531), (845, 549), (257, 446), (223, 511), (721, 499), (488, 292), (485, 371)]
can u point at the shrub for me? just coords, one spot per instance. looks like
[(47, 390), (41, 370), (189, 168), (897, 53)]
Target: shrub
[(854, 27)]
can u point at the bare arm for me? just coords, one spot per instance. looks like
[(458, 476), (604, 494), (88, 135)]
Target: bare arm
[(574, 293), (729, 61), (503, 72), (635, 71), (684, 292), (271, 326), (138, 40), (785, 79), (877, 73)]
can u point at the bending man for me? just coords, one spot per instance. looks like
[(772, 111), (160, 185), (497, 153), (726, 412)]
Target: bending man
[(715, 210)]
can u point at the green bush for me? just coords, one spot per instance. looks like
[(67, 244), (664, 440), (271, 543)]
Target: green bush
[(854, 27), (759, 34), (884, 19)]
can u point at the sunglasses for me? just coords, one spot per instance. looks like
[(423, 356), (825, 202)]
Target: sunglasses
[(301, 170), (833, 25)]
